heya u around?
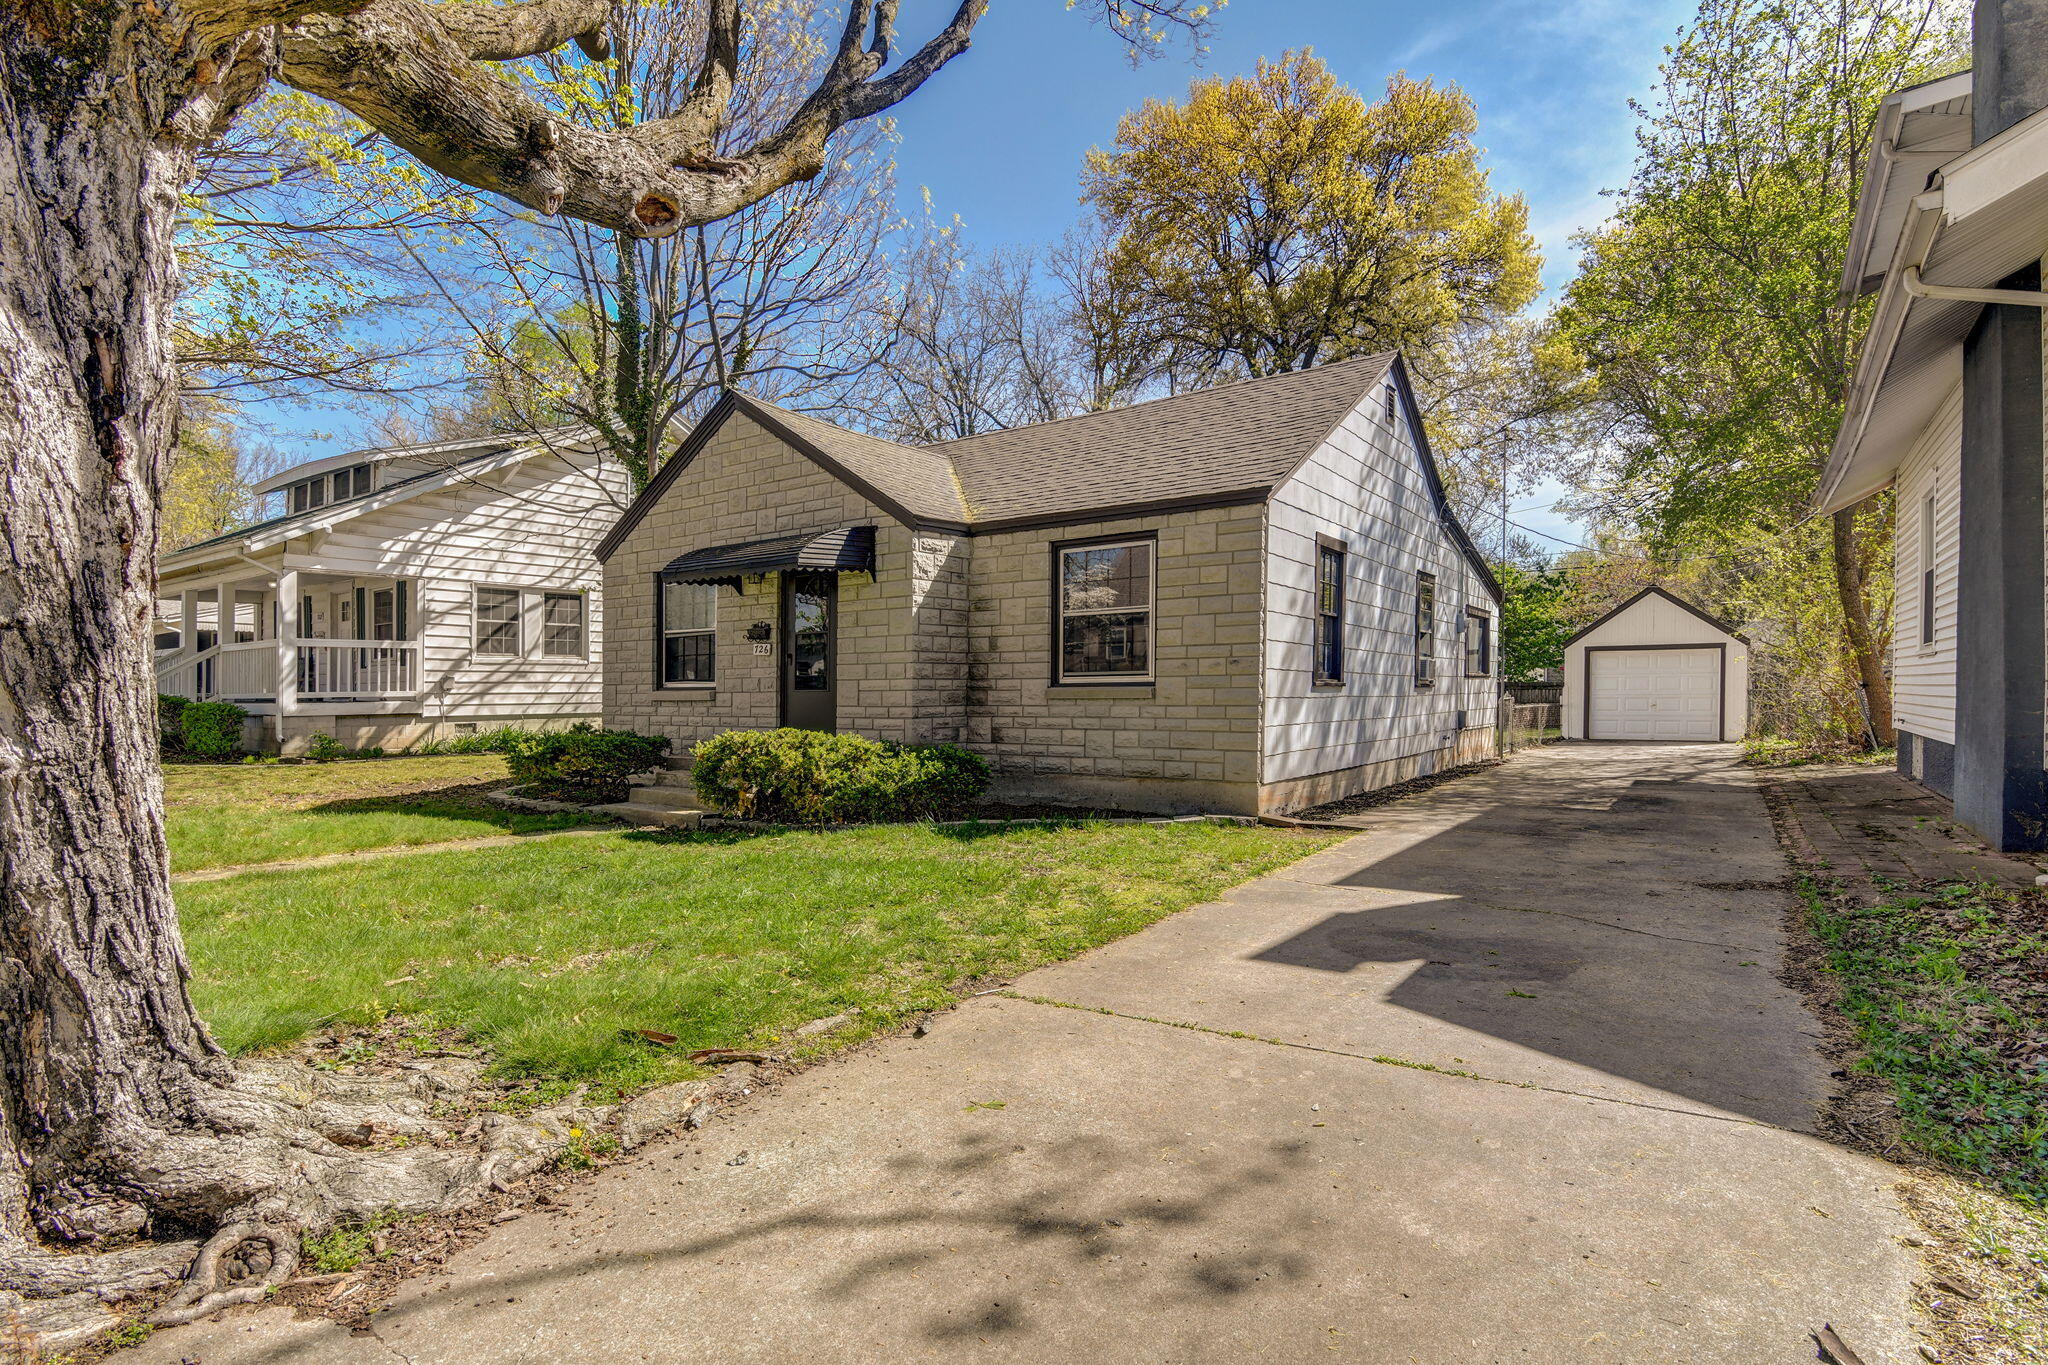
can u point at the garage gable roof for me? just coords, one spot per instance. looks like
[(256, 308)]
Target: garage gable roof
[(1716, 622)]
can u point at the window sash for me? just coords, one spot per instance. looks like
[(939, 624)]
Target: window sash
[(1927, 570), (1329, 648), (561, 625), (1478, 644), (497, 622), (1108, 638), (688, 644), (1425, 629)]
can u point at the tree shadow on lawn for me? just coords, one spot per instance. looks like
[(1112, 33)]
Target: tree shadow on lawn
[(971, 832), (461, 801)]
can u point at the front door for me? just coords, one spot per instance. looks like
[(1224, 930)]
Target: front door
[(810, 664)]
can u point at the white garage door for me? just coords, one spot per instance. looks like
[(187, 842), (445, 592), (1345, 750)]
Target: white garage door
[(1654, 694)]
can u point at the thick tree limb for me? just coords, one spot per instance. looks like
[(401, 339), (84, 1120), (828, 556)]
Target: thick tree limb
[(503, 33), (409, 69)]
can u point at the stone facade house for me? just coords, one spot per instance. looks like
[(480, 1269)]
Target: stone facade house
[(1249, 598)]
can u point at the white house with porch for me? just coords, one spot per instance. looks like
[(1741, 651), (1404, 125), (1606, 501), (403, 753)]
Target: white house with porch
[(402, 595)]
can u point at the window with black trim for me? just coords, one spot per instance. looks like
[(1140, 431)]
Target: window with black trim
[(1478, 643), (1329, 613), (561, 625), (1102, 628), (1425, 630), (497, 623), (686, 618)]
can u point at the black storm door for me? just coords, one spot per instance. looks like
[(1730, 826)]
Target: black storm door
[(810, 651)]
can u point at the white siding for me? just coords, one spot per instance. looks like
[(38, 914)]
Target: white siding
[(532, 527), (1366, 487), (1651, 622), (1924, 675)]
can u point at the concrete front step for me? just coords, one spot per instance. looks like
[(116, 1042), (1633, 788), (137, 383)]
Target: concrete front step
[(643, 813), (684, 798)]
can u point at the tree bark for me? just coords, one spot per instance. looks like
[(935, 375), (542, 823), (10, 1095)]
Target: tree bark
[(1866, 649)]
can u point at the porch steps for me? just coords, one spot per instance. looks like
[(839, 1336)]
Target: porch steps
[(656, 803)]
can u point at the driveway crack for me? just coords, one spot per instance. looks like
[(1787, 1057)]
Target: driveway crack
[(1384, 1059)]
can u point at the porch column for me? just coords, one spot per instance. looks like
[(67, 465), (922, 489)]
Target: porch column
[(188, 621), (287, 644)]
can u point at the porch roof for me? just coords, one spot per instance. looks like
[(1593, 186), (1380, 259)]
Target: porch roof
[(840, 549)]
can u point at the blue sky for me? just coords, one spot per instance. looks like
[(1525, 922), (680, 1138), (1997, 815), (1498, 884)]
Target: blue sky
[(998, 135)]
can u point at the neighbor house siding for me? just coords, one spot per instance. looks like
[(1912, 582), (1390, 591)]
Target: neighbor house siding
[(745, 484), (530, 527), (1365, 487), (1195, 725), (1924, 675)]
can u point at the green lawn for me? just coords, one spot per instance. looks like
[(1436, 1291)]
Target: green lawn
[(219, 815), (542, 954)]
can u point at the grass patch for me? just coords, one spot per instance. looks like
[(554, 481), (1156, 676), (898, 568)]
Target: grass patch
[(1770, 751), (1948, 992), (543, 954), (220, 815)]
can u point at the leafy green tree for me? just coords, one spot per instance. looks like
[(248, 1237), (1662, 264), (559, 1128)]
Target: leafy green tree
[(1708, 310), (1277, 221), (1535, 619)]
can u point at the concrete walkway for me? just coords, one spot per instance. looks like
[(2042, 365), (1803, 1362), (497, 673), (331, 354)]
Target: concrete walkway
[(1507, 1078)]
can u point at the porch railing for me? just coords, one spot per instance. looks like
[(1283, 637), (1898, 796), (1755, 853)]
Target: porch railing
[(356, 669), (327, 670)]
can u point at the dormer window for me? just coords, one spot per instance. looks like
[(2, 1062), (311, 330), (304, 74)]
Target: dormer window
[(321, 489)]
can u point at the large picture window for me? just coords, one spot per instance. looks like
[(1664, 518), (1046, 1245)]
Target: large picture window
[(1103, 631), (1425, 630), (687, 618), (497, 623), (1329, 614), (561, 625), (1478, 643)]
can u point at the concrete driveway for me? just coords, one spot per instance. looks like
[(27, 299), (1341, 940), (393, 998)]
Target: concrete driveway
[(1506, 1078)]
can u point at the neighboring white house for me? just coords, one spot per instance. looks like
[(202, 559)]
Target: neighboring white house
[(1246, 598), (1656, 668), (401, 595), (1946, 410)]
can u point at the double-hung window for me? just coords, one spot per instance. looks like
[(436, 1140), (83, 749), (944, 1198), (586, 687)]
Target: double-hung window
[(686, 623), (1102, 629), (1478, 643), (1425, 630), (561, 625), (1329, 613), (497, 623)]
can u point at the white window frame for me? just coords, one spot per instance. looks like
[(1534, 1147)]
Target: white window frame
[(1484, 619), (476, 621), (582, 601), (1929, 636), (1060, 612), (661, 638)]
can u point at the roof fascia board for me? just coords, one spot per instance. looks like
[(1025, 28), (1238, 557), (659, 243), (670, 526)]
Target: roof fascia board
[(1894, 305), (1879, 163), (1674, 600), (1997, 169)]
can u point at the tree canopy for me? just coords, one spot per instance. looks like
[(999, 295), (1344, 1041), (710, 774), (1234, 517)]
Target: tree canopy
[(1278, 221)]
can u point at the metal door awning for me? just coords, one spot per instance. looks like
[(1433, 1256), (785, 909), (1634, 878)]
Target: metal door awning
[(842, 549)]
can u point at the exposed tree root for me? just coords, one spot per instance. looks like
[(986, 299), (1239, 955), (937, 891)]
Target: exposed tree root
[(281, 1150)]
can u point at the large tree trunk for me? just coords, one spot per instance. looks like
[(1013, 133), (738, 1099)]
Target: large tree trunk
[(1866, 647), (99, 1045)]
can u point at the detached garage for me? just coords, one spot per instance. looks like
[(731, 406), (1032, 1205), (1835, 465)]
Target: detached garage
[(1656, 668)]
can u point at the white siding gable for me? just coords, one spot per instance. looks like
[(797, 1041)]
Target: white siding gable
[(1366, 487)]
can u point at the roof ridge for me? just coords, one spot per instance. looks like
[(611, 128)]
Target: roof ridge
[(1384, 357)]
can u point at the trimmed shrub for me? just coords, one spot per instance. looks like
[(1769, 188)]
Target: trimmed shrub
[(170, 732), (582, 763), (212, 729), (807, 777), (322, 747)]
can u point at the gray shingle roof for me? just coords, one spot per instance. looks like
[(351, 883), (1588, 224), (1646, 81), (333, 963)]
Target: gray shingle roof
[(1235, 438)]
